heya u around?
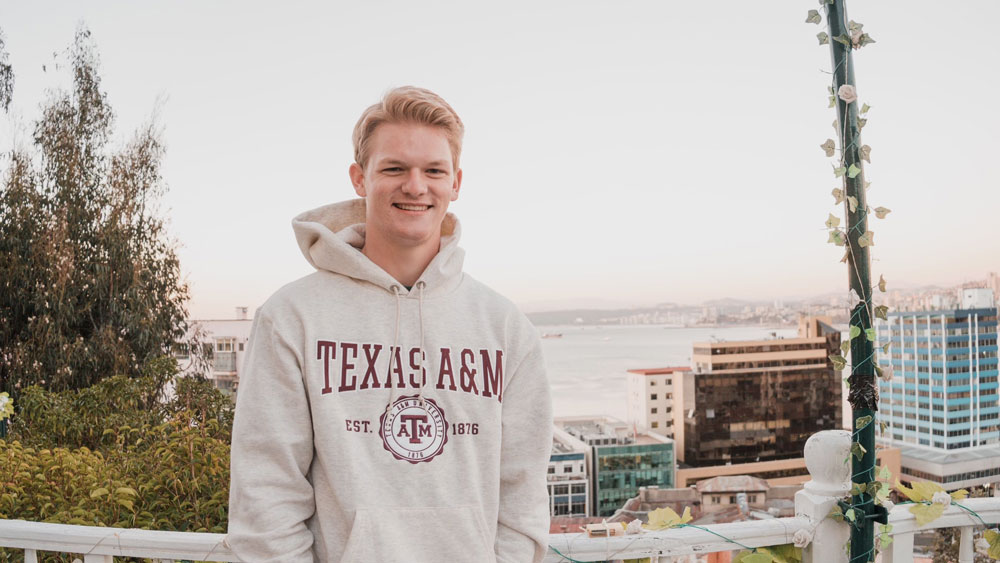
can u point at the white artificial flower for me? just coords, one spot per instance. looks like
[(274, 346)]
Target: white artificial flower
[(941, 497), (847, 93), (802, 537), (886, 374), (634, 527), (982, 545)]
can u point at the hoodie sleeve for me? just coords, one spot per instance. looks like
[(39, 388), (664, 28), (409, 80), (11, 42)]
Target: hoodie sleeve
[(526, 444), (270, 497)]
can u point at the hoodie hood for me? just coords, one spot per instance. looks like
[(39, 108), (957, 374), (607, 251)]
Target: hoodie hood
[(331, 238)]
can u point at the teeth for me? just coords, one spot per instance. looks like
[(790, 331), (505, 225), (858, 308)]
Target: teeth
[(412, 207)]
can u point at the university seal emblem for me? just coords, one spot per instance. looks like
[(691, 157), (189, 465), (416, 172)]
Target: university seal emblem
[(412, 432)]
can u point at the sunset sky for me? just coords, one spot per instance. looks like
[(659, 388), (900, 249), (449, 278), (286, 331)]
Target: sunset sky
[(616, 152)]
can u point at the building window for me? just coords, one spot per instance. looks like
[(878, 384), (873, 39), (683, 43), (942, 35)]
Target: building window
[(655, 424), (552, 470), (652, 382), (652, 410), (241, 346), (652, 397), (224, 345), (567, 469), (668, 382)]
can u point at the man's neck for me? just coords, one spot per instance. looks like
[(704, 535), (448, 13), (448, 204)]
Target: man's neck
[(405, 264)]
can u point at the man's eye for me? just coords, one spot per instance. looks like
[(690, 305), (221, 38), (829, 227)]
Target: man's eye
[(392, 169), (435, 171)]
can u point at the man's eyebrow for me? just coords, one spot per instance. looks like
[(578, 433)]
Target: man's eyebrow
[(396, 162)]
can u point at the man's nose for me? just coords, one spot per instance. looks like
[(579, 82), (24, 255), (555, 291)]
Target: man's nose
[(414, 182)]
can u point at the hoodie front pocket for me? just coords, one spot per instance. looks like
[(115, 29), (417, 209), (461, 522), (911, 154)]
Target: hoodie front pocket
[(419, 535)]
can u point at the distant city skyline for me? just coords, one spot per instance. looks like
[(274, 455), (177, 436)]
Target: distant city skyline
[(634, 154)]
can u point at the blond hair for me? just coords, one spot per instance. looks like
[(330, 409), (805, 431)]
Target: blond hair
[(408, 104)]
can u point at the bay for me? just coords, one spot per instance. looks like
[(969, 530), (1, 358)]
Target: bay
[(587, 365)]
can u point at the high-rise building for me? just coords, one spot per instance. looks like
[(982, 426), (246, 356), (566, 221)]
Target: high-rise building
[(620, 459), (568, 481), (649, 396), (942, 403), (758, 400)]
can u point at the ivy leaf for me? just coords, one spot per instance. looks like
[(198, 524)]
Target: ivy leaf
[(881, 283), (855, 26), (831, 102), (959, 494), (881, 212), (881, 312), (867, 239), (855, 332), (843, 38), (865, 39), (865, 108), (870, 334), (757, 557), (883, 425), (823, 38), (853, 171), (829, 147), (884, 538), (838, 194), (838, 172), (858, 488), (837, 237), (867, 185), (850, 515), (786, 553), (845, 346), (852, 202), (663, 518), (885, 349), (866, 153), (927, 513), (857, 450), (862, 122), (921, 491), (833, 222), (993, 538), (813, 17), (839, 362), (862, 421)]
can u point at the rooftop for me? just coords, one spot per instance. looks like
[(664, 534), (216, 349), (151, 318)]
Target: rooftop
[(659, 371)]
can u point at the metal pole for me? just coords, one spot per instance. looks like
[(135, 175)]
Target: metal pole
[(862, 395)]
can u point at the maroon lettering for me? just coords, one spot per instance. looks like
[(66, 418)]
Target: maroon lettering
[(324, 351), (467, 375), (415, 365), (370, 373), (492, 375), (396, 368), (446, 370), (345, 365), (415, 428)]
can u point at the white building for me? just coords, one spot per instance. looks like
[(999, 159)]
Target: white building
[(225, 344), (568, 478), (649, 394)]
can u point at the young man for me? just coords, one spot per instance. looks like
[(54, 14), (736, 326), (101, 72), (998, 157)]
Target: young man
[(391, 408)]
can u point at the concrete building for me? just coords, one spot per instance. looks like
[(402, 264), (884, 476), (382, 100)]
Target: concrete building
[(750, 401), (942, 404), (620, 459), (649, 396), (224, 342), (568, 478)]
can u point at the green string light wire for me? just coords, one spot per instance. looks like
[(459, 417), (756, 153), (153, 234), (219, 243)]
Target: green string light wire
[(702, 528)]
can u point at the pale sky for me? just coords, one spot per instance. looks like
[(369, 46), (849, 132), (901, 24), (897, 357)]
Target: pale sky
[(633, 152)]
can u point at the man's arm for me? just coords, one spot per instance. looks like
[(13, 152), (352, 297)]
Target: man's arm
[(270, 497), (526, 444)]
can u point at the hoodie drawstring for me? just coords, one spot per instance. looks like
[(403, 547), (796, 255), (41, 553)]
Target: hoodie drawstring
[(392, 355), (423, 382)]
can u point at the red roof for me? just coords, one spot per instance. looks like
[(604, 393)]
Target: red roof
[(659, 371)]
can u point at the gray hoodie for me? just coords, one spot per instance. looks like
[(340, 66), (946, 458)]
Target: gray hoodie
[(350, 445)]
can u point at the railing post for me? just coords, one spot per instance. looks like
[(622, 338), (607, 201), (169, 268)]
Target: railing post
[(966, 546), (826, 454)]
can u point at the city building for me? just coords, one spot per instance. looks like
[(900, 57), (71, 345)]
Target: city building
[(620, 459), (942, 406), (750, 401), (649, 396), (568, 482), (224, 344)]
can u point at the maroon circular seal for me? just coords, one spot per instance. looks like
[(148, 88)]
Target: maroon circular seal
[(412, 432)]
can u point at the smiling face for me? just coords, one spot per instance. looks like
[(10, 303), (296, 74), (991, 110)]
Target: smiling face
[(407, 183)]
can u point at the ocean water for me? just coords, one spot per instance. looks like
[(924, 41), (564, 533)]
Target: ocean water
[(587, 365)]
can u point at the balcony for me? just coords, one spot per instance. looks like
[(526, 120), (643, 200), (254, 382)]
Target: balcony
[(824, 539), (224, 362)]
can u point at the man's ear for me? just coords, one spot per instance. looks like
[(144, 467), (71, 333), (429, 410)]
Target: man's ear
[(357, 178), (457, 185)]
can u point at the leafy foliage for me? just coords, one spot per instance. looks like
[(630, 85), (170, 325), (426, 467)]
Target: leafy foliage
[(90, 284)]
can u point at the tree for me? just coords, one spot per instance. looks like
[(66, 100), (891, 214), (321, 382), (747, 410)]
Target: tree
[(90, 283)]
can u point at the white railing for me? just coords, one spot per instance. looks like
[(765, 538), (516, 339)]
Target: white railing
[(823, 538)]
